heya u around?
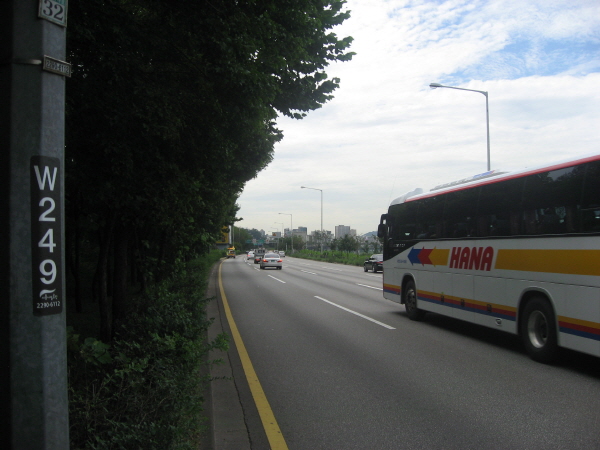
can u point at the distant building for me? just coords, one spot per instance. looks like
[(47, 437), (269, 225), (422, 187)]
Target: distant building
[(302, 233), (342, 230)]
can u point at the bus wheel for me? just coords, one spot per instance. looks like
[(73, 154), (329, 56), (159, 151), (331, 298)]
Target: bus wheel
[(538, 330), (410, 302)]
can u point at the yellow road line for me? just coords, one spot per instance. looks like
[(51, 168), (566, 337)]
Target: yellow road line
[(274, 435)]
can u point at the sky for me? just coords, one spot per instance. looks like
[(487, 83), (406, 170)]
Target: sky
[(386, 132)]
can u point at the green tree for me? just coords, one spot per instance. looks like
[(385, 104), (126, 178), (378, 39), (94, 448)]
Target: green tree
[(334, 244), (170, 110), (256, 234), (377, 245), (348, 244), (363, 244), (321, 238), (286, 243), (241, 235)]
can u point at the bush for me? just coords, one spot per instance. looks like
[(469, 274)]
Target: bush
[(350, 259), (144, 391)]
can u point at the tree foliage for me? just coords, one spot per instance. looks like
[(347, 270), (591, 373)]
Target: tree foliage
[(171, 109), (256, 234), (348, 243), (320, 238), (240, 238), (145, 390), (291, 242)]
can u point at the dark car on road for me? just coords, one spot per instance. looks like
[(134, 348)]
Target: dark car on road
[(258, 255), (374, 263)]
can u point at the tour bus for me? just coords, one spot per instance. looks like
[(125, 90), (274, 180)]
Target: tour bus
[(518, 252)]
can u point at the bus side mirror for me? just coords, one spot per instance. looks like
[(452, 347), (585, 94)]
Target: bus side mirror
[(381, 231)]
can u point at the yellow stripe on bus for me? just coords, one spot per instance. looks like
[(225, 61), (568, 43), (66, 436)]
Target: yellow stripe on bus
[(572, 262), (580, 322)]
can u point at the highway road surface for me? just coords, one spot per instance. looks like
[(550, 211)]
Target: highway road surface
[(343, 368)]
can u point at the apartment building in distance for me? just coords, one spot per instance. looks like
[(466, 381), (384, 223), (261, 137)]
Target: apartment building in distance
[(343, 230)]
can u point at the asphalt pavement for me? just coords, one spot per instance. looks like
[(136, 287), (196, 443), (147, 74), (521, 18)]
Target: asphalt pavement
[(369, 380), (226, 415)]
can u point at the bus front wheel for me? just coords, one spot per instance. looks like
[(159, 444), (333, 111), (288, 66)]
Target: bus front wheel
[(410, 302), (538, 330)]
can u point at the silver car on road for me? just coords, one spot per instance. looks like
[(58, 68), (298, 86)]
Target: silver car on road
[(271, 260)]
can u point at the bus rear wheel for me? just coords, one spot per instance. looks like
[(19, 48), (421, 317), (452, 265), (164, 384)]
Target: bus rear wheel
[(538, 330), (410, 302)]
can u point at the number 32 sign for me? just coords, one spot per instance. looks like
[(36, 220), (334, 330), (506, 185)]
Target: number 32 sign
[(46, 235), (54, 11)]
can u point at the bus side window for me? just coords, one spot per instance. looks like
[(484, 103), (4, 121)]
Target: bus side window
[(515, 223), (483, 226), (498, 206), (551, 222), (550, 195), (530, 221), (430, 218), (571, 219), (460, 212), (590, 207), (590, 220), (500, 226)]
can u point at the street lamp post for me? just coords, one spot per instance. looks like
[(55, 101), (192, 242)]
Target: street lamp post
[(487, 113), (291, 229), (315, 189)]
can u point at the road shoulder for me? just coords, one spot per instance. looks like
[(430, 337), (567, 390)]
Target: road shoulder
[(228, 425)]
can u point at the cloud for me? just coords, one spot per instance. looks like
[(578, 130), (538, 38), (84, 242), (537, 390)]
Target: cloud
[(386, 132)]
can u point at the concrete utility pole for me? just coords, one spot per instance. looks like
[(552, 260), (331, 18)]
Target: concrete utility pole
[(33, 360)]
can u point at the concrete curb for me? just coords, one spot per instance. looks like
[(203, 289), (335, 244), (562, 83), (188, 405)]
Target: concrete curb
[(227, 419)]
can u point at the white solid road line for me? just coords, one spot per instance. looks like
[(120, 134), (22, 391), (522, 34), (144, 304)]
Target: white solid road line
[(355, 313), (370, 287), (277, 279)]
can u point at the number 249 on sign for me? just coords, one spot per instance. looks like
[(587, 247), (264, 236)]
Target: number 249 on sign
[(46, 235)]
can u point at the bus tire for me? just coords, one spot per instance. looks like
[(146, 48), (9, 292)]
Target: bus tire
[(410, 302), (538, 330)]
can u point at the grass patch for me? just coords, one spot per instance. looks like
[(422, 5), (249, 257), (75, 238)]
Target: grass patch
[(350, 259)]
